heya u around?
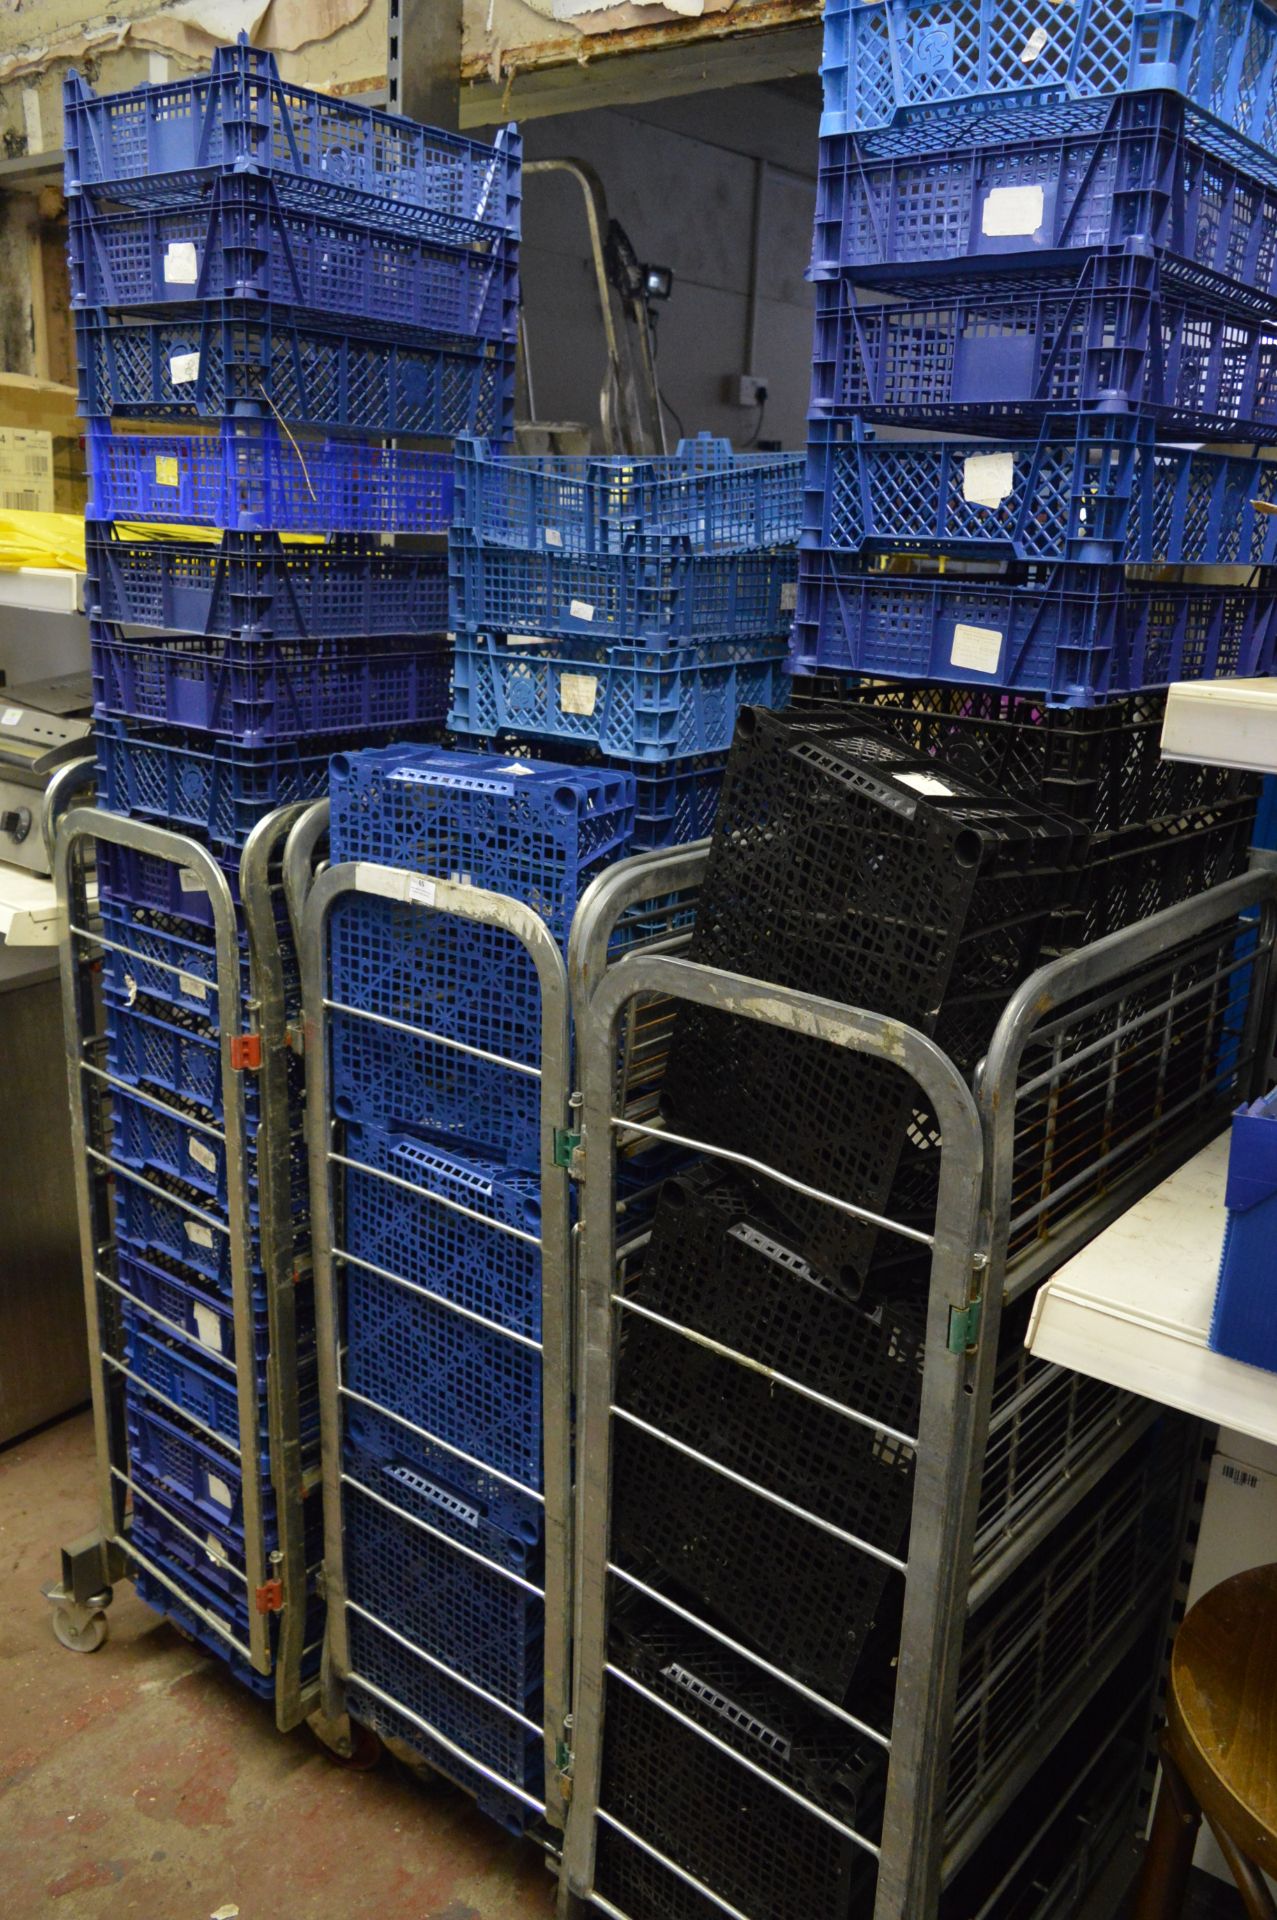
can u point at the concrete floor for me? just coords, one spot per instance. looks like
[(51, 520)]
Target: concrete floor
[(141, 1780)]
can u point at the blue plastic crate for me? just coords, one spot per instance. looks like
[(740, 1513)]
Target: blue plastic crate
[(248, 475), (537, 832), (479, 1623), (146, 945), (656, 601), (1021, 179), (178, 1224), (421, 1239), (244, 242), (473, 1387), (161, 1599), (884, 55), (491, 1737), (432, 1485), (128, 876), (475, 985), (181, 1303), (177, 1142), (220, 788), (149, 1043), (1075, 635), (237, 358), (1243, 1324), (193, 1476), (198, 1387), (1095, 488), (631, 703), (979, 351), (206, 1582), (702, 499), (251, 584), (677, 805), (258, 693), (166, 144)]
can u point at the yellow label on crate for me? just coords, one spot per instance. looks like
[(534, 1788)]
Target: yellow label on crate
[(166, 470)]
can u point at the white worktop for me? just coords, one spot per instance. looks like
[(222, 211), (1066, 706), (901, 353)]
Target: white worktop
[(1134, 1307)]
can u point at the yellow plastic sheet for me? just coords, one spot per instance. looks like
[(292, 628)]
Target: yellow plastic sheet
[(57, 539)]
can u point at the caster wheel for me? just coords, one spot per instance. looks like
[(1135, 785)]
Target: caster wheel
[(76, 1636), (365, 1750)]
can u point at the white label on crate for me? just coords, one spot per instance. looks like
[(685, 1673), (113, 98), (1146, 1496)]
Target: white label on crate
[(130, 987), (10, 717), (1009, 211), (207, 1327), (166, 469), (987, 478), (788, 596), (1034, 45), (219, 1491), (926, 784), (203, 1156), (193, 988), (181, 263), (553, 538), (197, 1233), (421, 890), (578, 692), (581, 610), (189, 882), (183, 368), (214, 1548), (515, 766), (978, 649), (528, 640)]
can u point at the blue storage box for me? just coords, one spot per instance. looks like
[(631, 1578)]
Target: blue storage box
[(1244, 1323)]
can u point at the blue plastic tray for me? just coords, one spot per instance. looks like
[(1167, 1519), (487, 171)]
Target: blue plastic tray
[(177, 1223), (1075, 635), (193, 1476), (489, 1272), (218, 787), (494, 1739), (1019, 179), (258, 693), (188, 1307), (238, 358), (884, 55), (165, 144), (539, 832), (175, 1054), (1096, 488), (702, 499), (462, 1502), (648, 601), (632, 703), (246, 242), (1003, 346), (145, 1138), (677, 805), (146, 946), (254, 584), (471, 984), (248, 475), (198, 1386)]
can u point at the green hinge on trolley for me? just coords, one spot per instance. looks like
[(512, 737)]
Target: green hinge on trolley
[(565, 1145), (964, 1327)]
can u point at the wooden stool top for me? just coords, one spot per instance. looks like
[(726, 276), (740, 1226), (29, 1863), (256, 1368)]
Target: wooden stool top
[(1222, 1711)]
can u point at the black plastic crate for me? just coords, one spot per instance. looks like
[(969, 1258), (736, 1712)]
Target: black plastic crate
[(1127, 876), (1102, 765), (722, 1824), (844, 866)]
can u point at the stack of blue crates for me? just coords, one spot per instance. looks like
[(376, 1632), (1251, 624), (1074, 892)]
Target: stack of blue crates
[(278, 281), (624, 609), (440, 1245), (1052, 241)]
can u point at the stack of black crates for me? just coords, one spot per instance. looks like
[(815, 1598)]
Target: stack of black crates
[(303, 301)]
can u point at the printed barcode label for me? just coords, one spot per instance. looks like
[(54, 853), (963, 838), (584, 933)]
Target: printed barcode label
[(181, 263), (553, 538), (207, 1327), (581, 610), (421, 890), (183, 368), (578, 693), (978, 649), (10, 717), (219, 1491), (203, 1156), (197, 1233), (1240, 1476), (194, 989)]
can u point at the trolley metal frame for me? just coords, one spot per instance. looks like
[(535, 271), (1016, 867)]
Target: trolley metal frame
[(427, 894), (952, 1567), (274, 1582)]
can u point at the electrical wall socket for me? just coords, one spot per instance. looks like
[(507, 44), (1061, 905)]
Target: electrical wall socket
[(745, 389)]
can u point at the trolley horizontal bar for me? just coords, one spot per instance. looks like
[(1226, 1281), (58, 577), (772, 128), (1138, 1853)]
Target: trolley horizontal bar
[(424, 1433), (441, 1740), (437, 1299), (436, 1039), (445, 1539), (425, 1193), (161, 1193), (654, 1853), (441, 1666), (153, 1393)]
